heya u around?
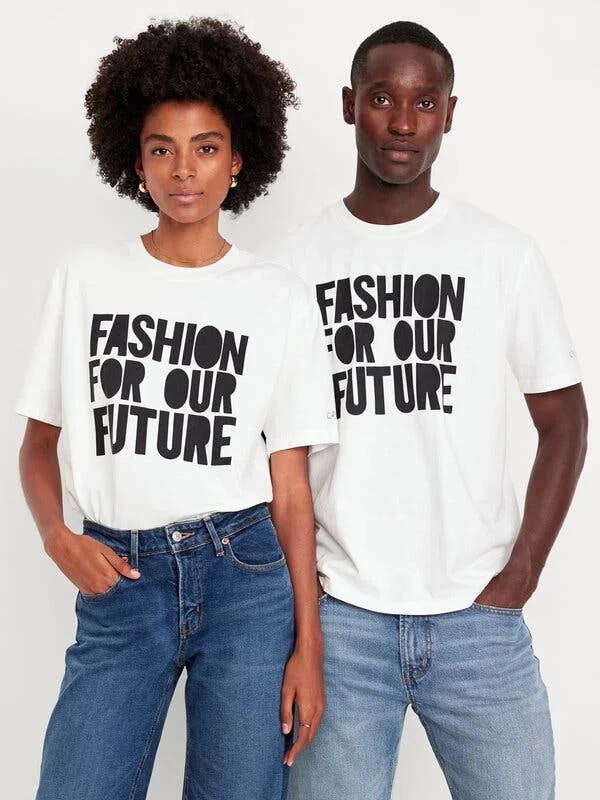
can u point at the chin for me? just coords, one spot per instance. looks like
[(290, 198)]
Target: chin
[(398, 180), (188, 216)]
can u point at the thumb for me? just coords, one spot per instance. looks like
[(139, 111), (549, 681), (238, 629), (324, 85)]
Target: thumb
[(121, 564)]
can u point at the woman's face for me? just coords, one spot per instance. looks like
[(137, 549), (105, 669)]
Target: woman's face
[(186, 159)]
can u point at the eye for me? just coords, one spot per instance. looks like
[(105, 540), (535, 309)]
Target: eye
[(380, 100), (208, 148), (160, 151), (426, 104)]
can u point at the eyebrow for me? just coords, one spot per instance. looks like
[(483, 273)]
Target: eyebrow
[(199, 137)]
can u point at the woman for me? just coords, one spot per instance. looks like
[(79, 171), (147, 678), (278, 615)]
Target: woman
[(186, 379)]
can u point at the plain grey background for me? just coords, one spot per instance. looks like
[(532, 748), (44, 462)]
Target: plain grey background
[(524, 147)]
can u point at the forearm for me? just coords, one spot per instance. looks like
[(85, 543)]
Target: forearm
[(42, 487), (556, 470), (292, 514)]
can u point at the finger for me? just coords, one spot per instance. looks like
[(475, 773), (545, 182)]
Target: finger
[(286, 713), (298, 746), (121, 566), (315, 725)]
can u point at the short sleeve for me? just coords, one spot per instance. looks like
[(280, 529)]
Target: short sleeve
[(40, 395), (540, 350), (302, 408)]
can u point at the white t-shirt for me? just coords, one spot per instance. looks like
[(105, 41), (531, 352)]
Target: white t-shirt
[(416, 511), (163, 380)]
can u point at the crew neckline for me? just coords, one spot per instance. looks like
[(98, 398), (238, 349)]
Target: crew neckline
[(436, 212), (185, 274)]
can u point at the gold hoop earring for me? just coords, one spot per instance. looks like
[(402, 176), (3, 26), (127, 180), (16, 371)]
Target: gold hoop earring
[(234, 182), (143, 188)]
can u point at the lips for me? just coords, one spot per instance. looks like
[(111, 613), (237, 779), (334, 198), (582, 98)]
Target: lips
[(186, 198), (400, 147)]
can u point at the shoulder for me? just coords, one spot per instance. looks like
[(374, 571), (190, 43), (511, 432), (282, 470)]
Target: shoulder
[(478, 226), (91, 262)]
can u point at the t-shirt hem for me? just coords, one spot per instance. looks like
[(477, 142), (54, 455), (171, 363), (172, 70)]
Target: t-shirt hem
[(438, 606), (41, 416), (549, 384)]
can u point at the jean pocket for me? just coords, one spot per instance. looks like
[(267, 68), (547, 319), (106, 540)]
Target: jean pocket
[(107, 593), (509, 612), (255, 548)]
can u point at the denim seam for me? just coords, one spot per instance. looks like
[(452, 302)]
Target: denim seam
[(95, 596), (245, 523), (507, 612), (243, 567), (148, 745), (392, 773), (159, 551), (186, 773), (404, 660), (440, 758), (420, 672)]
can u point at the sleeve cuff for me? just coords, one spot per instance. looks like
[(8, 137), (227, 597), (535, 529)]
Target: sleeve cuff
[(315, 441), (550, 383)]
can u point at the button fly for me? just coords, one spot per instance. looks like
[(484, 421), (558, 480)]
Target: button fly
[(177, 536)]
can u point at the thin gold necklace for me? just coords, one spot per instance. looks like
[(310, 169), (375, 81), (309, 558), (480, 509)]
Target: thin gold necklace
[(200, 263)]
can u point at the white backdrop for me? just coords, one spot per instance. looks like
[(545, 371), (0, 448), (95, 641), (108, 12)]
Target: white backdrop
[(524, 146)]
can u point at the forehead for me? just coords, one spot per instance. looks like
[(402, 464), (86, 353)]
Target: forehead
[(404, 64), (184, 115)]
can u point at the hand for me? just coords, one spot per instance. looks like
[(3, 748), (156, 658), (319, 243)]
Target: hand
[(90, 565), (510, 588), (302, 684)]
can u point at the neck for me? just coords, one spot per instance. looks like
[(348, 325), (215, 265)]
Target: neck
[(372, 200), (185, 244)]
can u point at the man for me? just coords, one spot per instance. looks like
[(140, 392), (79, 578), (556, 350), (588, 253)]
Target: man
[(422, 556)]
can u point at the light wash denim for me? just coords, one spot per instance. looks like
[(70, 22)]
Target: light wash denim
[(214, 598), (473, 681)]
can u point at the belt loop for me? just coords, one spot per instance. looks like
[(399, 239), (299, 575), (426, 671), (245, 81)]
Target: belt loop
[(210, 527), (133, 549)]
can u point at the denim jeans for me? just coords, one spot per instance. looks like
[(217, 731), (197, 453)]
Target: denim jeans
[(473, 681), (214, 597)]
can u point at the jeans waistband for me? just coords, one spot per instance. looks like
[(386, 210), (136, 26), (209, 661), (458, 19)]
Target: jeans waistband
[(178, 536)]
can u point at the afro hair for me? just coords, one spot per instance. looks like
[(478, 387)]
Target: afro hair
[(201, 59)]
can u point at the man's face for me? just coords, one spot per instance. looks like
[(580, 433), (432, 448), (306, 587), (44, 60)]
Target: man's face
[(401, 109)]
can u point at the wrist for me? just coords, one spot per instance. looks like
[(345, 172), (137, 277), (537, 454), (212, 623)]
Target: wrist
[(55, 538), (519, 577), (310, 643)]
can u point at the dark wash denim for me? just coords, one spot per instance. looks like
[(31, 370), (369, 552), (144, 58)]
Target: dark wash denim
[(214, 598)]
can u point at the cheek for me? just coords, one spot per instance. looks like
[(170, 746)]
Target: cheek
[(433, 128), (370, 123), (216, 170)]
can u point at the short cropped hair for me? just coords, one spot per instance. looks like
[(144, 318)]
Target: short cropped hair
[(400, 33)]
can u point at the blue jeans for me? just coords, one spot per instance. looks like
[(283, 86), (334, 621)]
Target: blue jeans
[(214, 597), (473, 681)]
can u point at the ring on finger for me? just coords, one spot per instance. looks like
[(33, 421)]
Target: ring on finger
[(305, 725)]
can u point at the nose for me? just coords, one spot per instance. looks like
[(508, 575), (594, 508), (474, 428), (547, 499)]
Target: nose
[(403, 120), (184, 167)]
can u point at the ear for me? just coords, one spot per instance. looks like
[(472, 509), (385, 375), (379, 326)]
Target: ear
[(450, 113), (236, 163), (348, 100), (138, 168)]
